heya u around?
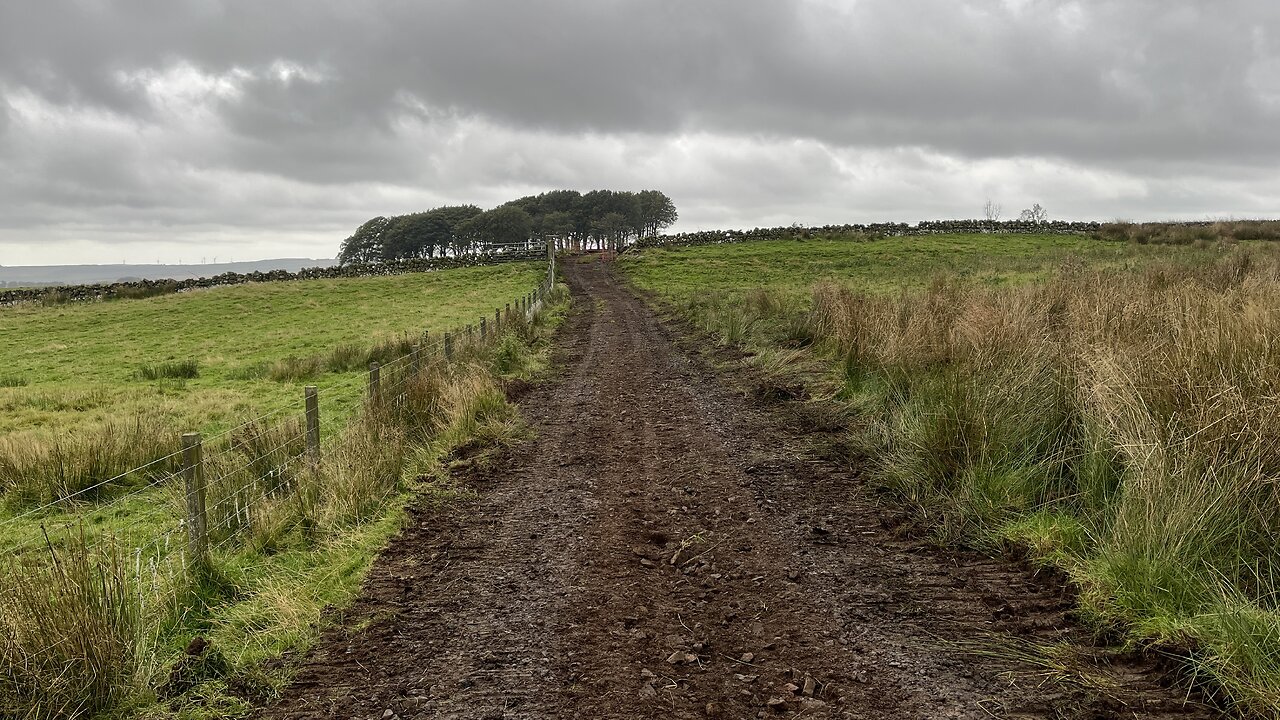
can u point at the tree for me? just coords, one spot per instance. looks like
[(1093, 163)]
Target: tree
[(562, 216), (1035, 214), (365, 244), (417, 235), (454, 216), (657, 213), (992, 211), (555, 227), (613, 228), (501, 225), (558, 200), (587, 210)]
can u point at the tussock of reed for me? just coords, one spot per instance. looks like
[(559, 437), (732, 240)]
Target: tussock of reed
[(789, 322), (251, 477), (347, 357), (36, 470), (71, 634), (175, 369), (356, 477)]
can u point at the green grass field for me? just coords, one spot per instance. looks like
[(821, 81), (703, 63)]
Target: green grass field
[(79, 411), (878, 265), (66, 369), (1108, 407)]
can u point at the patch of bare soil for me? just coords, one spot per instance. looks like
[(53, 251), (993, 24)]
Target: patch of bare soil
[(667, 547)]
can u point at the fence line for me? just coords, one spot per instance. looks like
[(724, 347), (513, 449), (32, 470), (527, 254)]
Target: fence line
[(203, 516)]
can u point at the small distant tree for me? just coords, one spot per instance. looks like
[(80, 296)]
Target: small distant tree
[(992, 211), (1034, 214)]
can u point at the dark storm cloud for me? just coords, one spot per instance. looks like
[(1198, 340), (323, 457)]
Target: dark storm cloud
[(1142, 79), (138, 104)]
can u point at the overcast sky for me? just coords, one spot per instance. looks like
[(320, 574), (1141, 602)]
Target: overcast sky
[(187, 129)]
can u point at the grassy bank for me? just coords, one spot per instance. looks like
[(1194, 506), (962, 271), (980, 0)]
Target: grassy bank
[(1110, 407), (95, 626)]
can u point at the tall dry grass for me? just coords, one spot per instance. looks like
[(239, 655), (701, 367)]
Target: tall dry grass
[(1128, 422), (71, 633), (1188, 234), (35, 470)]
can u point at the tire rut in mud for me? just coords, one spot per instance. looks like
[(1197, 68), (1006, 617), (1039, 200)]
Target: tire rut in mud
[(664, 547)]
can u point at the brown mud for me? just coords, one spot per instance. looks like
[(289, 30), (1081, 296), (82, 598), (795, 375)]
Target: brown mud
[(669, 546)]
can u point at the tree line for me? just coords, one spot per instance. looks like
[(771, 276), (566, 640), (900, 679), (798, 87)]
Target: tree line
[(568, 218)]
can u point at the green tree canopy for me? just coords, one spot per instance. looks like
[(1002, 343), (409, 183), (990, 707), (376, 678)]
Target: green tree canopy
[(606, 217), (365, 244), (416, 235)]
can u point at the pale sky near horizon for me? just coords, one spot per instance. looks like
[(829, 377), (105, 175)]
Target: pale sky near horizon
[(153, 130)]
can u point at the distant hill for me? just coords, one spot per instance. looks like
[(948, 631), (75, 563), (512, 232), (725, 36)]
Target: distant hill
[(40, 275)]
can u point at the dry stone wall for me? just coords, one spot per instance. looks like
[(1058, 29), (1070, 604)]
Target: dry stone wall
[(148, 288), (928, 227)]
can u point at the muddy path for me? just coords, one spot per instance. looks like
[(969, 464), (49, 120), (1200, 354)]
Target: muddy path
[(668, 547)]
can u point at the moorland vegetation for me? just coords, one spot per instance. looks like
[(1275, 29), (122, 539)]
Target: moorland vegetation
[(1110, 408)]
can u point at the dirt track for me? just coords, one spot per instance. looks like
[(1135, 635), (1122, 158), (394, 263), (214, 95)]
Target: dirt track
[(666, 547)]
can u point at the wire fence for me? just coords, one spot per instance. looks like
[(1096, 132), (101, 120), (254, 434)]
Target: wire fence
[(209, 496)]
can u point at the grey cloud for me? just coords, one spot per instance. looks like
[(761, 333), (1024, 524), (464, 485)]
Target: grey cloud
[(745, 112), (1136, 79)]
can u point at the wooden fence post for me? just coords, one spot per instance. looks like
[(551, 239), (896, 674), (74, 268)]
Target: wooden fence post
[(483, 332), (193, 476), (375, 383), (312, 395), (448, 345), (415, 358), (497, 320), (551, 258)]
